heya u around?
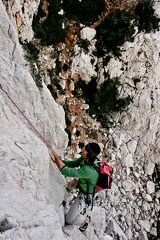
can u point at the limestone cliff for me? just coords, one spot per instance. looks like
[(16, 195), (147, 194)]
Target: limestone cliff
[(32, 189), (31, 186)]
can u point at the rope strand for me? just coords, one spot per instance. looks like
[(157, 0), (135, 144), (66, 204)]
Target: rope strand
[(48, 145)]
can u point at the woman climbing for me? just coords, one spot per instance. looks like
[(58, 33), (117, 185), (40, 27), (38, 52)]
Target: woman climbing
[(82, 169)]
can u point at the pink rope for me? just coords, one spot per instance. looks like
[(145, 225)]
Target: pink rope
[(48, 145)]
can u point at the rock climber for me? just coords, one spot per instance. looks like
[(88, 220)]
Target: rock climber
[(81, 169)]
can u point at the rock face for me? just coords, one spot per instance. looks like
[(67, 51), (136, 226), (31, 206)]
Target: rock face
[(32, 189), (135, 151), (21, 13), (31, 186)]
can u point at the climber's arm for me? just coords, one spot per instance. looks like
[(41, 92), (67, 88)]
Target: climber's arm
[(60, 164)]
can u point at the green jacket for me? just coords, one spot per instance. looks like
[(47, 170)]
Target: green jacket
[(85, 173)]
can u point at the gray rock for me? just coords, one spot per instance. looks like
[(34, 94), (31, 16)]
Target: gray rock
[(146, 225), (147, 197), (150, 187), (128, 185)]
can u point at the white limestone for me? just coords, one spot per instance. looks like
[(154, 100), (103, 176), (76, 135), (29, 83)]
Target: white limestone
[(114, 68), (128, 160), (146, 206), (30, 183), (132, 146), (153, 231), (129, 234), (147, 197), (21, 13), (128, 185), (145, 224), (149, 168), (82, 66), (32, 189), (88, 33), (142, 235), (150, 187), (113, 226)]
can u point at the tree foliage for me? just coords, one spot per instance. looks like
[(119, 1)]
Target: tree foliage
[(107, 97), (103, 101), (113, 32), (84, 11), (31, 53), (50, 30), (147, 20)]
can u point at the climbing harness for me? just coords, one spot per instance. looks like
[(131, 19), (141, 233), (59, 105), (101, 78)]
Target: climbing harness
[(48, 145)]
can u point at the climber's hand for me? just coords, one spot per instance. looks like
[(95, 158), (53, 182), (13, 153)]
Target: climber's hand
[(54, 150), (53, 159)]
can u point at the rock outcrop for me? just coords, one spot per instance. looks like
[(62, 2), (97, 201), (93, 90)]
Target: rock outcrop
[(30, 185), (32, 189)]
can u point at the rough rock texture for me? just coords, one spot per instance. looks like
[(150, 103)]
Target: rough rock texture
[(132, 205), (31, 187), (21, 13)]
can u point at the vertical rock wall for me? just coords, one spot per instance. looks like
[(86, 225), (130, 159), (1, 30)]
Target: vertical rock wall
[(31, 187), (30, 184)]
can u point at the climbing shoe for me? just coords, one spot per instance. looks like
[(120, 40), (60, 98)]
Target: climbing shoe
[(85, 224)]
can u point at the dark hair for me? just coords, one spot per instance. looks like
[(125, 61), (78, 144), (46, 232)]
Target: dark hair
[(93, 150)]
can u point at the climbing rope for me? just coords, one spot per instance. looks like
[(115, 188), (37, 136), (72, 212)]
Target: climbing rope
[(48, 145)]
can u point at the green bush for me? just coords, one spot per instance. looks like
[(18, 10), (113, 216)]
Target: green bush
[(116, 29), (107, 97), (86, 91), (147, 20), (50, 30), (84, 11), (31, 54), (103, 101)]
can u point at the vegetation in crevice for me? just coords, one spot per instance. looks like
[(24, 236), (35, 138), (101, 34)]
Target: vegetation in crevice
[(31, 54), (116, 29), (103, 101), (49, 30), (145, 16), (107, 97), (85, 11)]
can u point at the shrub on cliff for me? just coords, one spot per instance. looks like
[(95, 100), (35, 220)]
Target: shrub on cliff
[(107, 97), (50, 30), (31, 53), (84, 11), (102, 101), (116, 29), (146, 18)]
